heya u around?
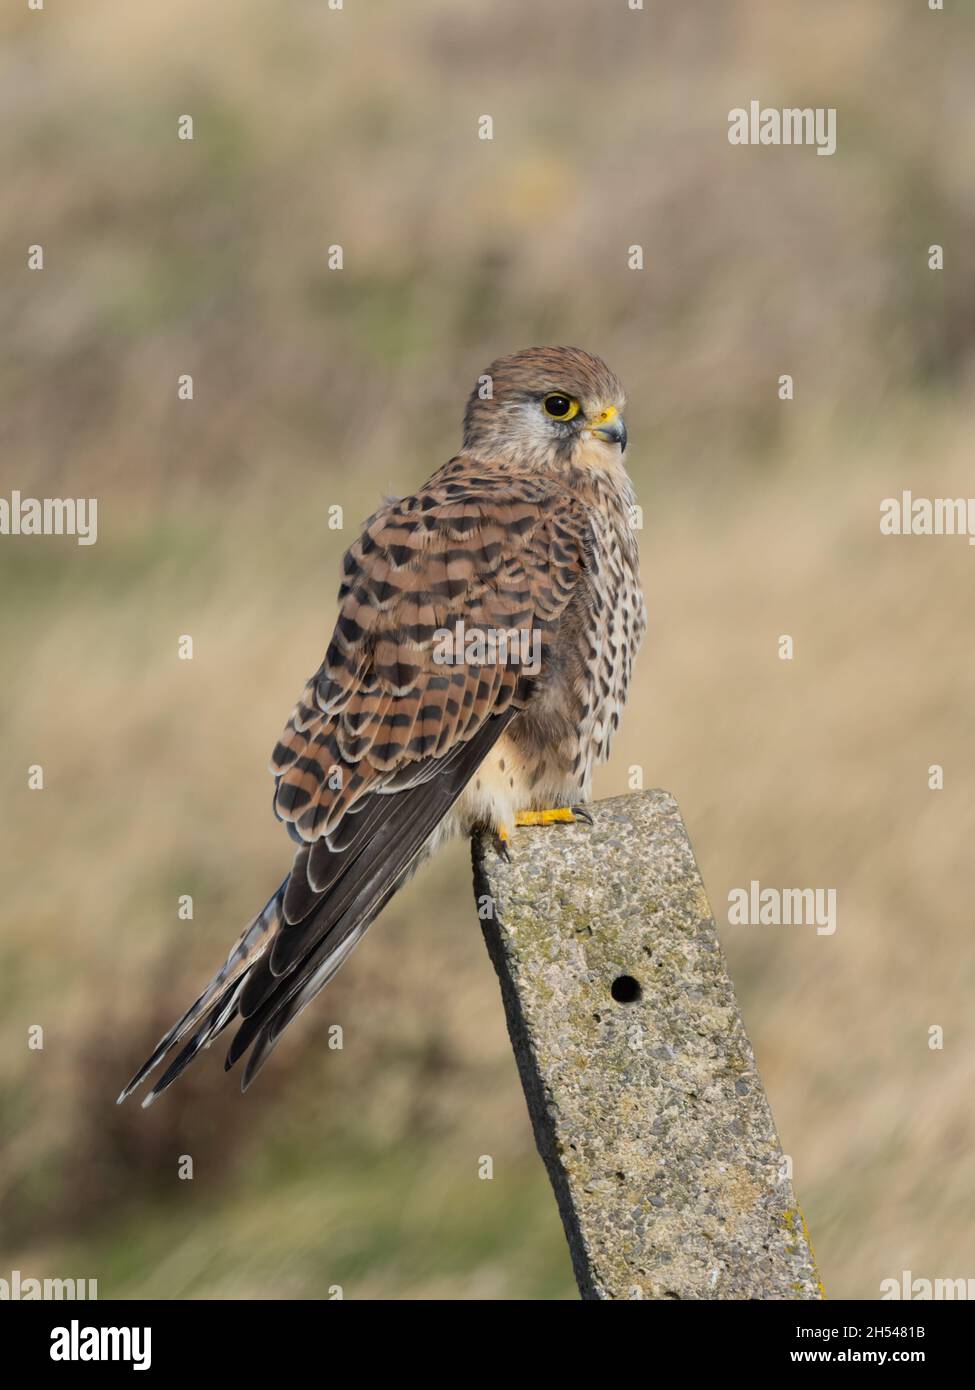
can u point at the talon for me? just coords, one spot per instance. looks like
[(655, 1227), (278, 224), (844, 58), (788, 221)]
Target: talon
[(582, 814), (501, 838)]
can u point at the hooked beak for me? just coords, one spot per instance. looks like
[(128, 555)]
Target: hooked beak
[(610, 427)]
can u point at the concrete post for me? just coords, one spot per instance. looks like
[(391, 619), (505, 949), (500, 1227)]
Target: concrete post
[(644, 1095)]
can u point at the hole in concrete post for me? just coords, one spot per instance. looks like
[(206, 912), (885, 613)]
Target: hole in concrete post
[(625, 990)]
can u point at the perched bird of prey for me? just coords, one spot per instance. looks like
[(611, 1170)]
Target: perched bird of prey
[(410, 732)]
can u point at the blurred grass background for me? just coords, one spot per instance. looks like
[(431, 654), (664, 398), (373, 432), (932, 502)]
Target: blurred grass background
[(315, 388)]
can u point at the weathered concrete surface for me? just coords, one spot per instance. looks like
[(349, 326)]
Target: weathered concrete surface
[(650, 1114)]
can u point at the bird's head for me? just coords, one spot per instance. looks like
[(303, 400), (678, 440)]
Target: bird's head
[(547, 406)]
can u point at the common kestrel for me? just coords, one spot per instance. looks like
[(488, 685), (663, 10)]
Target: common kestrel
[(480, 661)]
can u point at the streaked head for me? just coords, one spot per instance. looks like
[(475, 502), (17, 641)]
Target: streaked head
[(548, 405)]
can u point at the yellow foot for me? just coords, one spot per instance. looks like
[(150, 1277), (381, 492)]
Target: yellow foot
[(557, 815)]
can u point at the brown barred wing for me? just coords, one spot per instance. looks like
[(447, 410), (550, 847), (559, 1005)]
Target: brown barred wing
[(490, 554)]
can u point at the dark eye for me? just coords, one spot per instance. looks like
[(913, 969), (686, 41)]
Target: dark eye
[(559, 406)]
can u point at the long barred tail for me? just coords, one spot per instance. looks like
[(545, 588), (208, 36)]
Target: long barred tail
[(216, 1005), (308, 929)]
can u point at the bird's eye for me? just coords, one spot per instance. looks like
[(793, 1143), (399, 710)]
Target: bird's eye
[(560, 407)]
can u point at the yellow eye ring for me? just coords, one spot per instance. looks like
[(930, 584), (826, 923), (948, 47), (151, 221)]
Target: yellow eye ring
[(558, 406)]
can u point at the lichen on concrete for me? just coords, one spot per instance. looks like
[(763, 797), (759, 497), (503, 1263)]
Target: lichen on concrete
[(648, 1111)]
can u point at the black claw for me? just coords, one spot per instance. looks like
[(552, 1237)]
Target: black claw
[(501, 849), (581, 813)]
